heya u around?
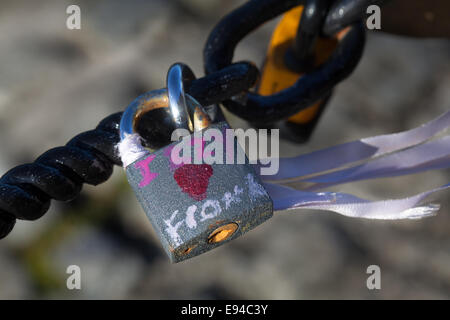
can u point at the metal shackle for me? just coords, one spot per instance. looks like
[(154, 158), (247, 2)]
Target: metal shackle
[(185, 111), (177, 76)]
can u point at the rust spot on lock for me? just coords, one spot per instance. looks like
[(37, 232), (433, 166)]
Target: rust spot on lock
[(222, 233), (189, 249), (200, 119)]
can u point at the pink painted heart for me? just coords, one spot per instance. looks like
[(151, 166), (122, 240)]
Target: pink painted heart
[(193, 179)]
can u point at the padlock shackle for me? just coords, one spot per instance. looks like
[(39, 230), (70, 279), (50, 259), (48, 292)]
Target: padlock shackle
[(159, 99), (178, 75)]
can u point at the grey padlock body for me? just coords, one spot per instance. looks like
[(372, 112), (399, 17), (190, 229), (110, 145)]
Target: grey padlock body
[(183, 218)]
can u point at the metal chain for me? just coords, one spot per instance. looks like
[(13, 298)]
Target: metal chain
[(316, 84), (26, 191)]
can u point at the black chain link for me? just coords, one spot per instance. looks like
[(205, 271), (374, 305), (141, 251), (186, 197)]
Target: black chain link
[(300, 57), (311, 87)]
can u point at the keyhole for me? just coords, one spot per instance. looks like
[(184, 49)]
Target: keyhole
[(222, 233)]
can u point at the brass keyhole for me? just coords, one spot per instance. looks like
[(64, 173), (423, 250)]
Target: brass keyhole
[(222, 233)]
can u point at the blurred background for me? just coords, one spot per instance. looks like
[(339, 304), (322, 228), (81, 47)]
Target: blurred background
[(57, 82)]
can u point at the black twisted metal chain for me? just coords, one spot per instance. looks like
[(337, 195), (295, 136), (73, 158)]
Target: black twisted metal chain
[(26, 191)]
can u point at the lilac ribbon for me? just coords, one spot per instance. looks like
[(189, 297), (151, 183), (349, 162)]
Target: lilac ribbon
[(390, 155), (285, 198), (359, 150), (429, 156)]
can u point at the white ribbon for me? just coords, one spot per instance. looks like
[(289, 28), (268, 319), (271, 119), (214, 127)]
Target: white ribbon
[(429, 156), (364, 149), (285, 198), (130, 149), (390, 155)]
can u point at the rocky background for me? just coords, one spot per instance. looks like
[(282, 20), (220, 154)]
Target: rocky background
[(56, 83)]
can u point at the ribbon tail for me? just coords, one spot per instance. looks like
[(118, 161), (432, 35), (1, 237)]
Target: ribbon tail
[(432, 155), (345, 154), (285, 198)]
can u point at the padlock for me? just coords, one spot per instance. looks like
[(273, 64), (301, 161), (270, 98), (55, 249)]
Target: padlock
[(192, 207), (277, 75)]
